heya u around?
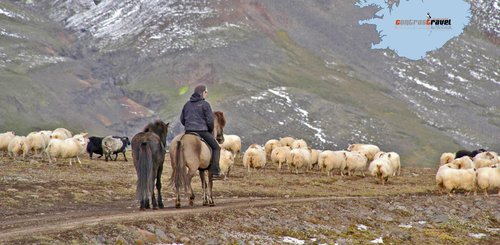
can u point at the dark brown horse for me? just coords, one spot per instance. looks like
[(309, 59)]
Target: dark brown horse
[(188, 155), (148, 152)]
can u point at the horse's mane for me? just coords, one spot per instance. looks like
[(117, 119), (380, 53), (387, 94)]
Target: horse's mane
[(220, 118), (147, 128), (151, 126)]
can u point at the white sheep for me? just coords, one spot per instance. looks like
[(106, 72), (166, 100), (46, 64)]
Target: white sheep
[(270, 146), (450, 178), (226, 162), (232, 143), (330, 160), (280, 155), (491, 155), (254, 157), (47, 134), (382, 169), (38, 141), (300, 157), (5, 139), (482, 163), (446, 157), (68, 148), (439, 175), (464, 162), (368, 150), (395, 161), (61, 133), (256, 146), (314, 158), (300, 143), (19, 144), (488, 178), (356, 161), (287, 141), (378, 155)]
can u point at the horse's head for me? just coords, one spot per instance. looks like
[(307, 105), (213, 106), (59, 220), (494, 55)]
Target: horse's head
[(158, 127), (219, 123)]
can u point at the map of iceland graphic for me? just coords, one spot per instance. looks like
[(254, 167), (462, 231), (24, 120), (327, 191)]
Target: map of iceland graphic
[(414, 27)]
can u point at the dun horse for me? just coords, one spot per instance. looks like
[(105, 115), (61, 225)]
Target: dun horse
[(148, 152), (188, 155)]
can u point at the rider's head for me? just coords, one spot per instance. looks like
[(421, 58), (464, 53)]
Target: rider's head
[(201, 90)]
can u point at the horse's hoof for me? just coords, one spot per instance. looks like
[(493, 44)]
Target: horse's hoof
[(177, 206), (191, 203), (161, 206), (155, 208), (205, 204), (212, 204), (142, 209)]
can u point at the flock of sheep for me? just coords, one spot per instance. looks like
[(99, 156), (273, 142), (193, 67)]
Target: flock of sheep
[(59, 143), (462, 170), (469, 171), (296, 155)]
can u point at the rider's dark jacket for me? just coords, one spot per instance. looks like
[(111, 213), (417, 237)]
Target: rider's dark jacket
[(197, 114)]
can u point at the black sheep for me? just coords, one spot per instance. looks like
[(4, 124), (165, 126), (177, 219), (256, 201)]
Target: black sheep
[(95, 146), (471, 154)]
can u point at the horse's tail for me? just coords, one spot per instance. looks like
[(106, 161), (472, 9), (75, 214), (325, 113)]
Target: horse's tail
[(178, 179), (144, 173)]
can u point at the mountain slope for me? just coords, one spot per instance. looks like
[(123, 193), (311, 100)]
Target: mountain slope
[(275, 68)]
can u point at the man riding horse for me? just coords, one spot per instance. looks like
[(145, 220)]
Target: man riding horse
[(197, 117)]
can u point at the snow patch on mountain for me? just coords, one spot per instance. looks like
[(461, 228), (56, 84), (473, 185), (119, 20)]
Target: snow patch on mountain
[(153, 27)]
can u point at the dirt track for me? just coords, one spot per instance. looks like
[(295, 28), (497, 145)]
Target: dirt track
[(57, 223)]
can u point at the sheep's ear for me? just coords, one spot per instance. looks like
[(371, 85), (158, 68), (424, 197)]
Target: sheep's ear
[(389, 155)]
